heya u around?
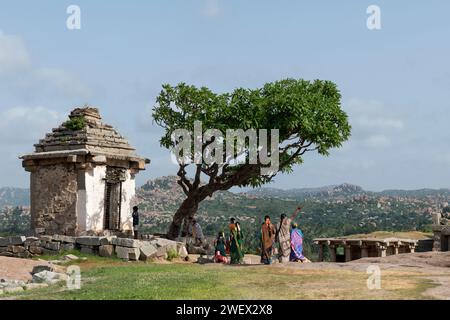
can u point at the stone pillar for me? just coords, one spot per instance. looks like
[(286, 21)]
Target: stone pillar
[(381, 251), (412, 249), (320, 252), (396, 248), (332, 252), (348, 253), (437, 240), (364, 251)]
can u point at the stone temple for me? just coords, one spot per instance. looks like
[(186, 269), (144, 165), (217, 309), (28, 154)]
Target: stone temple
[(82, 178)]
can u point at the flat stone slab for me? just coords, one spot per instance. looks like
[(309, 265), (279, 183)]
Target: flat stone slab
[(89, 241), (125, 242), (15, 240), (65, 239)]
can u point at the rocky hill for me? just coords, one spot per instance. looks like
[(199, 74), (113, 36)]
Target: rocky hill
[(344, 189), (14, 197)]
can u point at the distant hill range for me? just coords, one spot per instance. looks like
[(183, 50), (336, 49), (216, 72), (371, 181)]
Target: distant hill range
[(164, 191), (344, 190), (14, 197), (327, 211)]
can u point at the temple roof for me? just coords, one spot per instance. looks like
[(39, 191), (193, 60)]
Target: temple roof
[(84, 132)]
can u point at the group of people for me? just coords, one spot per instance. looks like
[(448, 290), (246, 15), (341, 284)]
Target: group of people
[(286, 234), (232, 244)]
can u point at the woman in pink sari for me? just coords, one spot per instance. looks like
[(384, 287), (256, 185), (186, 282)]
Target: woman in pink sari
[(296, 244)]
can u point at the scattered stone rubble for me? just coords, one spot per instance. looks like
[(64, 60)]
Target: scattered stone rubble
[(105, 246)]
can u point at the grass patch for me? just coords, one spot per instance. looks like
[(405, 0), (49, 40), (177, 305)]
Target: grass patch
[(113, 279)]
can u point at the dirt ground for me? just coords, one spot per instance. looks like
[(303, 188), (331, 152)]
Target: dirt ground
[(17, 269), (433, 266)]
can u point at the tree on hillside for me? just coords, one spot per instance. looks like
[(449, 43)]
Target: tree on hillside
[(307, 114)]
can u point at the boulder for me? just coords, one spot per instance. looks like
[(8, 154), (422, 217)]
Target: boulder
[(127, 253), (105, 241), (6, 254), (70, 257), (48, 277), (182, 252), (55, 246), (147, 251), (125, 242), (42, 267), (166, 243), (161, 252), (35, 249), (24, 255), (106, 250), (16, 249)]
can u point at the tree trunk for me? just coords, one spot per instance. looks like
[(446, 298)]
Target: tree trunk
[(187, 209)]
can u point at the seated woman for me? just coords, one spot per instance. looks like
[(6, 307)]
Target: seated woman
[(220, 251), (296, 244)]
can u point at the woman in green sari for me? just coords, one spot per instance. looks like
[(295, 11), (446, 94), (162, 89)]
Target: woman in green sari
[(236, 241)]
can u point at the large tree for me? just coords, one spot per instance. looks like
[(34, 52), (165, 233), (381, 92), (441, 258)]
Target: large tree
[(307, 114)]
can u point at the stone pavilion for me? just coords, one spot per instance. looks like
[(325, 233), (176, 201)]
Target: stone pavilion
[(82, 178)]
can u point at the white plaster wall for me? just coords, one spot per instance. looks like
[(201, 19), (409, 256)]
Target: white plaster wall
[(81, 210), (128, 193), (95, 195)]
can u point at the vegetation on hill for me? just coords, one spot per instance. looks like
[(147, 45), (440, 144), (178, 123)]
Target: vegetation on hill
[(331, 214), (327, 212)]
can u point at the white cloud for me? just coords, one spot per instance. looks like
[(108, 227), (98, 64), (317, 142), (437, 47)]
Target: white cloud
[(19, 74), (211, 9), (65, 82), (379, 123), (377, 141), (13, 54), (24, 125), (374, 125)]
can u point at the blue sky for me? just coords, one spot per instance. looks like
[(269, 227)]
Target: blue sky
[(394, 81)]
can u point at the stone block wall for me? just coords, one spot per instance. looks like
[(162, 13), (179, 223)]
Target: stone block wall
[(123, 248), (54, 199)]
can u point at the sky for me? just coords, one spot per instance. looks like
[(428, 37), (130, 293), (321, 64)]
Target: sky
[(394, 81)]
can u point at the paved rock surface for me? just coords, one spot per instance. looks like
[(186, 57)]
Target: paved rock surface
[(16, 268)]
